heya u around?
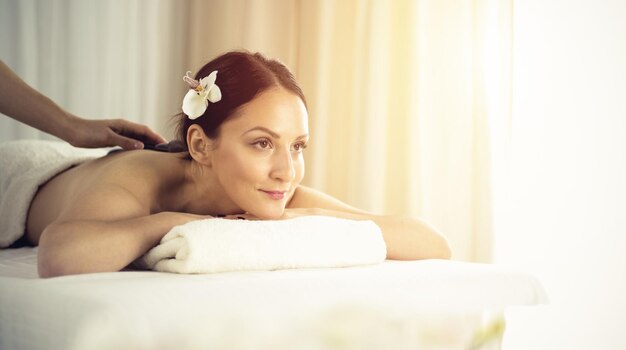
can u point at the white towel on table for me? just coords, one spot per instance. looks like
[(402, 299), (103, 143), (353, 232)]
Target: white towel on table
[(218, 245), (24, 166)]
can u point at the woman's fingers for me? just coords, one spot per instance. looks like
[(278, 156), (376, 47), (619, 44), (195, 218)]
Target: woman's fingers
[(240, 217)]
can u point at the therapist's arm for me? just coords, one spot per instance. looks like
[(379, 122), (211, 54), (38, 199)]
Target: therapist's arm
[(25, 104)]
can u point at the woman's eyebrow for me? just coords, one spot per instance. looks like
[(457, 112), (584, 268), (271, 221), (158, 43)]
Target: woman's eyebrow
[(272, 133)]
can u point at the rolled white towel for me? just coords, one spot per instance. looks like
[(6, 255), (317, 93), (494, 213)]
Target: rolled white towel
[(219, 245)]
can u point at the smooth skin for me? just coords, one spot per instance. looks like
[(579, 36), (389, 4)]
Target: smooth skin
[(105, 213), (23, 103)]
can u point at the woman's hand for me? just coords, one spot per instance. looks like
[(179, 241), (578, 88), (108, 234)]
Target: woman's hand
[(182, 218), (289, 213), (243, 216)]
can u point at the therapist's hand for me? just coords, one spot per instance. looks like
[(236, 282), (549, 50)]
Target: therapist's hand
[(23, 103), (110, 132)]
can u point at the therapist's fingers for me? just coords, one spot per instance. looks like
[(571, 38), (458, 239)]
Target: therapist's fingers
[(136, 131), (111, 132), (126, 143)]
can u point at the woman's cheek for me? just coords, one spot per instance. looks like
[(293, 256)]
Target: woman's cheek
[(245, 163), (299, 171)]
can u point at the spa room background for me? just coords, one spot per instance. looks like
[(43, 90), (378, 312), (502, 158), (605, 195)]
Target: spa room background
[(500, 122)]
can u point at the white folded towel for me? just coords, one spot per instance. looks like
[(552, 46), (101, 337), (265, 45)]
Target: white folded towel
[(218, 245)]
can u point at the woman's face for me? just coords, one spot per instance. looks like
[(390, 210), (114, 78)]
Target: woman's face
[(258, 158)]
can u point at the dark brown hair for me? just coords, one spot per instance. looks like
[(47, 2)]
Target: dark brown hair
[(241, 76)]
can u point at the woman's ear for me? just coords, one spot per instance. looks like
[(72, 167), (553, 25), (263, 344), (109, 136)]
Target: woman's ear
[(200, 145)]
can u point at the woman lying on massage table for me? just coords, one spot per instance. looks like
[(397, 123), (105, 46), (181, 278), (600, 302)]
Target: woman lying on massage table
[(244, 126)]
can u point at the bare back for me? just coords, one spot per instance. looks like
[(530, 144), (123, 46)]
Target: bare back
[(108, 184)]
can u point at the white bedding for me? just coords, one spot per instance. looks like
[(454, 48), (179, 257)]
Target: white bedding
[(431, 304)]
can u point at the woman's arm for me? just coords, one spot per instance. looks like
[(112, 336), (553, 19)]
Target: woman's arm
[(88, 246), (105, 230), (406, 238)]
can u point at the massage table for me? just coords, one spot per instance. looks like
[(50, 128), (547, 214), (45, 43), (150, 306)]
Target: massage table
[(428, 304)]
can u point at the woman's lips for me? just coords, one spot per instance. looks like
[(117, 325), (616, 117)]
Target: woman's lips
[(275, 194)]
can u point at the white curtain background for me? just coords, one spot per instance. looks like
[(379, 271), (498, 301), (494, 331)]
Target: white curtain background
[(409, 101), (404, 98), (564, 219), (98, 59)]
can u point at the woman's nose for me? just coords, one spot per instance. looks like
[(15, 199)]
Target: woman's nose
[(283, 168)]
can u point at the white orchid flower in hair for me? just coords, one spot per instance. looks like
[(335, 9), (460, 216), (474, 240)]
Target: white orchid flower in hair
[(200, 94)]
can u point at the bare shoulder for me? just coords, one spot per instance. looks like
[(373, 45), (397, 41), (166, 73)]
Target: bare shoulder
[(307, 197), (109, 188), (123, 186)]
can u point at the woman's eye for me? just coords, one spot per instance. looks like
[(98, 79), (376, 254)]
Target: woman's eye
[(299, 147), (262, 144)]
